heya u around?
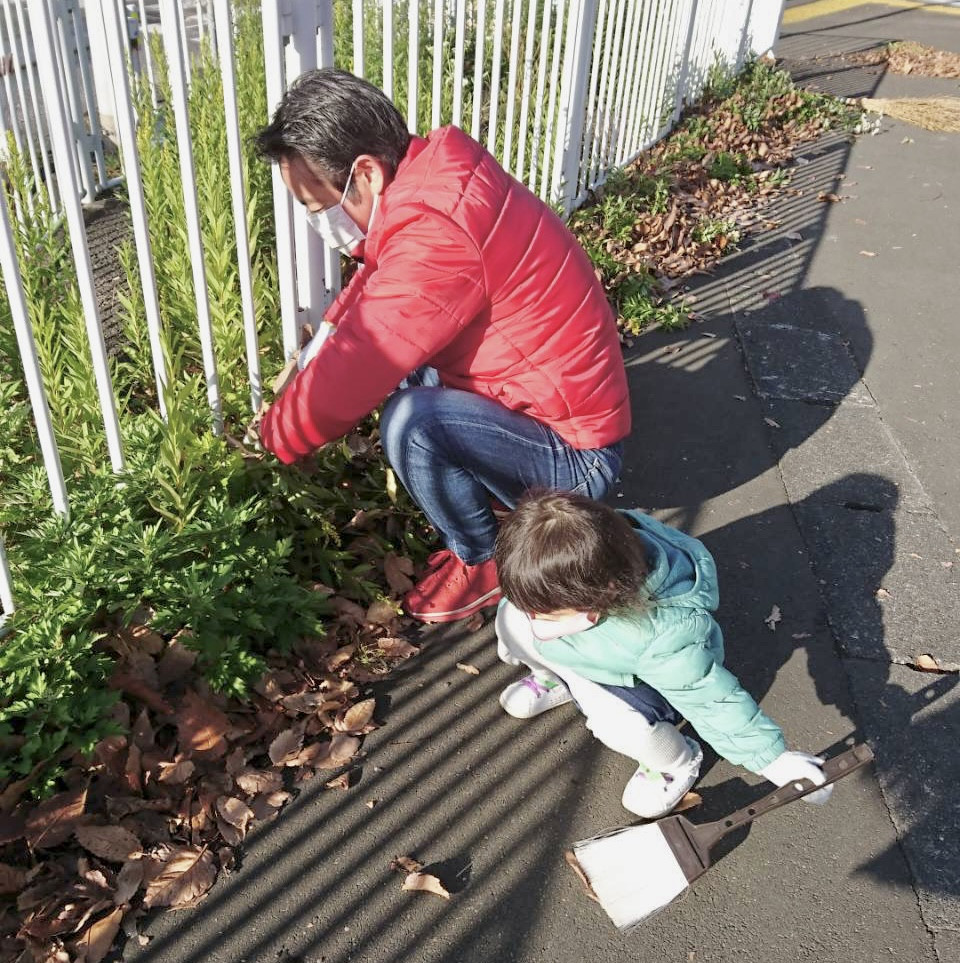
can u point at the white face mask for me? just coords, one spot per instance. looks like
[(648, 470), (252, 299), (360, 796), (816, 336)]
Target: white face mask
[(547, 629), (337, 228)]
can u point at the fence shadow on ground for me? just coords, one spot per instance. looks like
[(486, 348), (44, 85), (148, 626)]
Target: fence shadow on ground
[(493, 802)]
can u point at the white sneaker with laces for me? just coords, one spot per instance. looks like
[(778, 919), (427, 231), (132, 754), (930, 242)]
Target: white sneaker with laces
[(653, 794), (531, 696)]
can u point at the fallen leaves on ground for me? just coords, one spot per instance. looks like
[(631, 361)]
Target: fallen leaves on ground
[(909, 57), (416, 880), (152, 816), (469, 669), (773, 618)]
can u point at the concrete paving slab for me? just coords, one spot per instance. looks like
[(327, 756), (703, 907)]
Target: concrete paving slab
[(801, 365), (826, 459), (890, 580), (913, 719)]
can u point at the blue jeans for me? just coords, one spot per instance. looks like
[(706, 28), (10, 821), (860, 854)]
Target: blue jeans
[(454, 449), (647, 701)]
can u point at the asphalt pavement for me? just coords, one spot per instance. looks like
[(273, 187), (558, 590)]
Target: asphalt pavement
[(807, 430)]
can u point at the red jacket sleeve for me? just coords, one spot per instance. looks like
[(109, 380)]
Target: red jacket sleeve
[(427, 286)]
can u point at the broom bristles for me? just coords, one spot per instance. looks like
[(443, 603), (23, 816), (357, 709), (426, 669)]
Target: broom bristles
[(930, 113)]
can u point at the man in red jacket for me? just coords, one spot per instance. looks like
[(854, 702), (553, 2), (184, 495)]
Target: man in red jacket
[(474, 314)]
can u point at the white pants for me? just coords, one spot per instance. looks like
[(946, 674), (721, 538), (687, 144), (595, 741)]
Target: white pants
[(614, 722)]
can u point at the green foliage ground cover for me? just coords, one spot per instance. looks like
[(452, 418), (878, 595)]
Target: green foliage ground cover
[(192, 535)]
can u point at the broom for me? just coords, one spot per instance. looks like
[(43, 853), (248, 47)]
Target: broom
[(636, 871), (930, 113)]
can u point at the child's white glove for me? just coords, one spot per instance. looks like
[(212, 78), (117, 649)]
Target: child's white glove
[(791, 766)]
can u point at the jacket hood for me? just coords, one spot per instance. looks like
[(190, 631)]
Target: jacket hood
[(682, 571)]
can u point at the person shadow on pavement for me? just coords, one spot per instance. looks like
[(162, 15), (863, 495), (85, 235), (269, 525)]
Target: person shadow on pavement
[(699, 459)]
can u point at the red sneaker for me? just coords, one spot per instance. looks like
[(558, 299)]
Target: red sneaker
[(452, 590)]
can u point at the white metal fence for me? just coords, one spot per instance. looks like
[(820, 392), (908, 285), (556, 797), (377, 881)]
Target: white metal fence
[(561, 91)]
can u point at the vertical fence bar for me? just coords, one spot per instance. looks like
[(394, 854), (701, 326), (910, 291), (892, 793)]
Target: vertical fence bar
[(480, 48), (89, 98), (458, 54), (435, 103), (600, 115), (525, 89), (19, 67), (115, 32), (515, 19), (581, 23), (32, 85), (275, 20), (147, 53), (6, 587), (223, 23), (67, 85), (31, 367), (552, 96), (175, 45), (330, 282), (413, 65), (63, 161), (388, 48), (628, 66), (10, 100), (541, 87), (596, 63), (358, 64), (664, 66), (640, 77), (497, 57), (182, 17), (607, 127), (685, 61)]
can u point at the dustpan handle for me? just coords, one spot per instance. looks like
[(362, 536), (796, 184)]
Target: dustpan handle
[(833, 769)]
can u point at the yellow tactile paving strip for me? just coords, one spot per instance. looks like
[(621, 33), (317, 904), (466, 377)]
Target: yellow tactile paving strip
[(822, 8)]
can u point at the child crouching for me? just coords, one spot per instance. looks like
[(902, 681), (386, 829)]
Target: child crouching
[(612, 610)]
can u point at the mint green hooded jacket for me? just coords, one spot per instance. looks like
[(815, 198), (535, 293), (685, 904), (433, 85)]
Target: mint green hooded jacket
[(677, 648)]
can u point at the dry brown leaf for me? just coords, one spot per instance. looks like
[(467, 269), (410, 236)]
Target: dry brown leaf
[(339, 782), (773, 618), (235, 812), (370, 803), (342, 750), (201, 727), (397, 648), (283, 750), (97, 939), (469, 669), (53, 821), (800, 635), (356, 717), (186, 875), (926, 663), (425, 883), (869, 253), (12, 879), (286, 374), (474, 623), (259, 780), (176, 661), (829, 197), (882, 594), (772, 423), (176, 773), (405, 864), (303, 701), (381, 613), (398, 571), (129, 880), (112, 843), (135, 686)]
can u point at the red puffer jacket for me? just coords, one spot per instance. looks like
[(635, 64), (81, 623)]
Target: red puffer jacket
[(468, 271)]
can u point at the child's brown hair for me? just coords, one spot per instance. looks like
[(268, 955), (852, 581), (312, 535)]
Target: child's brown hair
[(558, 551)]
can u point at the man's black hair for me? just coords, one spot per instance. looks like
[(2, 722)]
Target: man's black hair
[(329, 117)]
